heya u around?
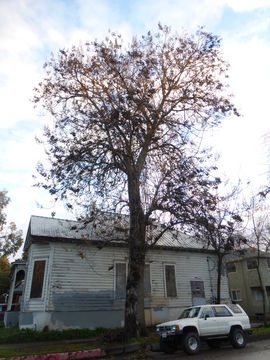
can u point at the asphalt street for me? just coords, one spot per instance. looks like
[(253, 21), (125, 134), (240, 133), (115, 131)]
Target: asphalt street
[(259, 350)]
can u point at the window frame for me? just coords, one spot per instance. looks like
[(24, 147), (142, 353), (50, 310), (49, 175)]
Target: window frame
[(114, 277), (257, 294), (235, 291), (44, 279), (252, 259), (202, 314), (165, 281), (220, 307), (147, 295), (232, 263)]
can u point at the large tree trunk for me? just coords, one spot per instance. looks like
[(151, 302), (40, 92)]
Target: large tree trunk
[(134, 309), (219, 266), (263, 291)]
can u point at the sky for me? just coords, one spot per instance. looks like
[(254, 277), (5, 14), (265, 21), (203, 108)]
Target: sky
[(30, 30)]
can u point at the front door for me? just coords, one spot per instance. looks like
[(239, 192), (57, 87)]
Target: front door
[(197, 291)]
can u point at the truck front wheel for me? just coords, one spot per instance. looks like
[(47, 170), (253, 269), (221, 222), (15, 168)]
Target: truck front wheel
[(191, 343)]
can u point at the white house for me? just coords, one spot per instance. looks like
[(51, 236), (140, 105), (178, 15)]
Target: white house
[(76, 275)]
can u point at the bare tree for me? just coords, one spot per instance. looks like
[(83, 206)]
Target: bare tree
[(128, 121), (259, 239), (10, 236), (221, 227)]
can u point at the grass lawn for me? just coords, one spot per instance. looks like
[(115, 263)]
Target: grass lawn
[(15, 342), (261, 330), (15, 335)]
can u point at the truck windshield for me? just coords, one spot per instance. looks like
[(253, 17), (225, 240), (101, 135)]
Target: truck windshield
[(190, 313)]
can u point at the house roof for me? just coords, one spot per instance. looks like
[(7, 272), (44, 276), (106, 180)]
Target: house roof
[(113, 228), (246, 253)]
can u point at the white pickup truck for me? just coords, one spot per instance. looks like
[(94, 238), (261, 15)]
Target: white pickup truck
[(212, 323)]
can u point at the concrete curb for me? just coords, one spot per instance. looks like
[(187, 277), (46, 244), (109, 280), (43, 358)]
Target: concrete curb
[(84, 354), (77, 355)]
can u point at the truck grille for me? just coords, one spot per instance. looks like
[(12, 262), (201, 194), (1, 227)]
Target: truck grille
[(165, 328)]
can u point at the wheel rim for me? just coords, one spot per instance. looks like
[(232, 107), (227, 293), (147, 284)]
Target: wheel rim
[(239, 338), (193, 343)]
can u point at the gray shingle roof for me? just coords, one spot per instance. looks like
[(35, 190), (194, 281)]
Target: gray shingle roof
[(109, 227)]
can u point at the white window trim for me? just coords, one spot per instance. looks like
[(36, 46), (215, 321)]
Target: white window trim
[(44, 287), (240, 299), (150, 279), (126, 263), (114, 276), (165, 283)]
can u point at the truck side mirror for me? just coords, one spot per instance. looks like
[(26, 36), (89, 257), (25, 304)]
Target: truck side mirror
[(206, 316)]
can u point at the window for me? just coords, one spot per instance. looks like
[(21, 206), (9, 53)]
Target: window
[(231, 267), (190, 312), (147, 280), (257, 294), (170, 280), (268, 263), (236, 295), (251, 264), (235, 308), (38, 279), (221, 311), (207, 312), (120, 280)]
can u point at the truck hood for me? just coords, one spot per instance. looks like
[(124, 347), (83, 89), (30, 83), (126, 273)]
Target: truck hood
[(180, 322)]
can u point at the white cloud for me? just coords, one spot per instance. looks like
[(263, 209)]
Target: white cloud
[(241, 141), (246, 5), (179, 14)]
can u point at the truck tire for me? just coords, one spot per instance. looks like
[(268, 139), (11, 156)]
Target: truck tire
[(191, 343), (238, 338)]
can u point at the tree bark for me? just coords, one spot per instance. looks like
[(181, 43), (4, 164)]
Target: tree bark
[(219, 265), (134, 308), (263, 290)]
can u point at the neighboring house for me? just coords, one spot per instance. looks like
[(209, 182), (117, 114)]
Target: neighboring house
[(76, 275), (18, 269), (244, 282)]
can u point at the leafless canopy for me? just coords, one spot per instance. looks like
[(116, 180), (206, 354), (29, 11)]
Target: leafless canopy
[(134, 112)]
